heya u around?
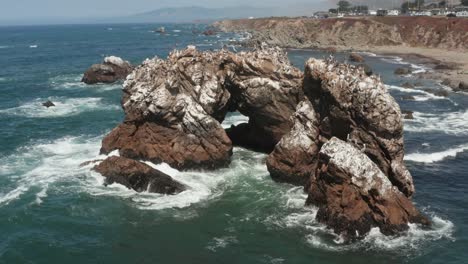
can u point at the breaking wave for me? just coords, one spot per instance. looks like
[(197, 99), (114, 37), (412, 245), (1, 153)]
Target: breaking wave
[(63, 107), (454, 123), (436, 156), (318, 235)]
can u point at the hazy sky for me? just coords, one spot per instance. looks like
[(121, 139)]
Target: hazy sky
[(28, 9)]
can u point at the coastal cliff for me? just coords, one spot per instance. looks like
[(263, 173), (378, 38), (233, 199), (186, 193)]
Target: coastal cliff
[(354, 33)]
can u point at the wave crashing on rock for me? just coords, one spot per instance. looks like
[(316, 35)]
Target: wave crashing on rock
[(332, 129)]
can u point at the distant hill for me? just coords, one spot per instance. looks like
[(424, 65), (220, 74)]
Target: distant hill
[(197, 13)]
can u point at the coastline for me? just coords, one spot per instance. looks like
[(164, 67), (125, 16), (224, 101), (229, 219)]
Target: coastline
[(439, 44), (449, 67)]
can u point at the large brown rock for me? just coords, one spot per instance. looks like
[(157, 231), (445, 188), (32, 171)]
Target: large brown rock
[(353, 195), (174, 107), (356, 107), (111, 70), (265, 87), (137, 176)]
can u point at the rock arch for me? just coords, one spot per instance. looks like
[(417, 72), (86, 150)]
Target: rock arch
[(332, 129)]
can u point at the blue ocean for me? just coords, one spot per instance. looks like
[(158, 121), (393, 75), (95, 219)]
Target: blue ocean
[(54, 211)]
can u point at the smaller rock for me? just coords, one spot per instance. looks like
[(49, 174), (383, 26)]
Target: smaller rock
[(48, 104), (354, 57), (407, 85), (463, 86), (111, 70), (402, 71), (137, 176), (367, 69), (407, 114), (442, 93)]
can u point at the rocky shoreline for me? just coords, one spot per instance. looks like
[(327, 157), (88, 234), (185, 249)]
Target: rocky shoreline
[(439, 43), (332, 129)]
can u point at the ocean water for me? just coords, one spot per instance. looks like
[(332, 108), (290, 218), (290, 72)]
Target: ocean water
[(53, 211)]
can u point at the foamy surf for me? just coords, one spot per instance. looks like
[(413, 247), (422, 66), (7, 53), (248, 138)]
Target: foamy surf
[(436, 156), (453, 123), (295, 216), (63, 107), (38, 167), (201, 186)]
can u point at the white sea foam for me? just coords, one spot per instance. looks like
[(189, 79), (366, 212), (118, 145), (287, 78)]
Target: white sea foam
[(63, 107), (436, 156), (422, 95), (40, 165), (297, 216), (2, 79), (33, 46), (370, 54), (221, 242), (4, 47), (454, 123), (201, 186), (235, 120)]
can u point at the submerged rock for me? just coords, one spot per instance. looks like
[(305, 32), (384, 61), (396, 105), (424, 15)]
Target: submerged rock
[(48, 104), (402, 71), (407, 85), (407, 114), (137, 176), (111, 70), (353, 195)]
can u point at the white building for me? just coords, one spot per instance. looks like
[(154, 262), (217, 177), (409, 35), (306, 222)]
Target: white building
[(393, 12)]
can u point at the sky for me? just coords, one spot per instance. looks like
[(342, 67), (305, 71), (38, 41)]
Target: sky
[(28, 9)]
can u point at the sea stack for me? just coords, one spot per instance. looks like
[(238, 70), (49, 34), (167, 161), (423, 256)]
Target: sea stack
[(332, 129), (112, 69)]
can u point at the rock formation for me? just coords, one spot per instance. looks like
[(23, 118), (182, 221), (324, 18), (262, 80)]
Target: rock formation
[(358, 108), (333, 129), (111, 70), (353, 195), (137, 176), (48, 104)]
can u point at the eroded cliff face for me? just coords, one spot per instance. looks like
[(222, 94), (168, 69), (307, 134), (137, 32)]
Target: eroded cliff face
[(333, 129), (354, 33)]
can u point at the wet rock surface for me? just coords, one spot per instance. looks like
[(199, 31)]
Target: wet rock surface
[(111, 70), (137, 176)]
